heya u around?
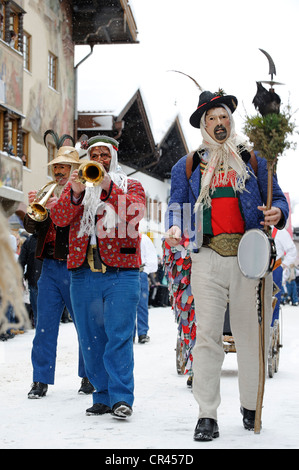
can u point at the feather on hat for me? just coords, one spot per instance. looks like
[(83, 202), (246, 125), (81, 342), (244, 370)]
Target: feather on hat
[(66, 155)]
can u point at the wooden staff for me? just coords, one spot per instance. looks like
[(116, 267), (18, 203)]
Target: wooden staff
[(262, 365)]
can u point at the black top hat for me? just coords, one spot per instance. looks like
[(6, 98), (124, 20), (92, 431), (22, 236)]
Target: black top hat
[(208, 100)]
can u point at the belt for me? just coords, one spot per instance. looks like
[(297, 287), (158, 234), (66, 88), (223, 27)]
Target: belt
[(94, 261), (225, 244), (277, 263)]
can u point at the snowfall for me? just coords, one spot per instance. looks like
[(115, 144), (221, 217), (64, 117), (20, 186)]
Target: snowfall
[(165, 411)]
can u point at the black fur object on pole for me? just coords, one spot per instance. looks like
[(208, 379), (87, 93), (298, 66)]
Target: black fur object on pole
[(266, 101)]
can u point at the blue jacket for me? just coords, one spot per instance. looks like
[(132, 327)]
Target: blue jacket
[(184, 193)]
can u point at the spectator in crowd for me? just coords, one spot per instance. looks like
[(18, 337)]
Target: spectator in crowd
[(32, 267), (149, 265), (11, 286)]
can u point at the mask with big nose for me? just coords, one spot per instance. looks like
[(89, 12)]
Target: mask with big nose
[(217, 124)]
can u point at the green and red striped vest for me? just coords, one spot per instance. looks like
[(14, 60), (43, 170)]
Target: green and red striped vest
[(224, 215)]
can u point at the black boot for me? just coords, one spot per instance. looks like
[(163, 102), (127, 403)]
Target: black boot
[(122, 410), (98, 409), (206, 430), (190, 381), (38, 390), (248, 418), (86, 387), (143, 339)]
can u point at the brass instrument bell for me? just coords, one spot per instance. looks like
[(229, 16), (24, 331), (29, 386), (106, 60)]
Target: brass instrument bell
[(37, 209), (91, 173)]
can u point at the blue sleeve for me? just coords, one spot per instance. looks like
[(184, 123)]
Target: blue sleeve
[(179, 195)]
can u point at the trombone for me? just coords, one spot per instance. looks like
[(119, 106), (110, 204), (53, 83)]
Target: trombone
[(37, 209), (91, 173)]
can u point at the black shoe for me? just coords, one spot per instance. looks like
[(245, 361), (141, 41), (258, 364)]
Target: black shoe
[(248, 418), (86, 386), (38, 390), (121, 410), (143, 339), (98, 409), (190, 381), (206, 430)]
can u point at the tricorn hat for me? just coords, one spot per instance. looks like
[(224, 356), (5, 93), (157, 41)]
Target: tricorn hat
[(208, 100), (66, 156)]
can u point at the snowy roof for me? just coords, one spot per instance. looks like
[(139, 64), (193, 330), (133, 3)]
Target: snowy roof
[(132, 125)]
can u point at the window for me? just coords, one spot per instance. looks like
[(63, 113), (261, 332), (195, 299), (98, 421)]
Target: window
[(1, 130), (11, 24), (12, 136), (155, 210), (1, 21), (27, 51), (52, 70), (160, 210), (9, 125), (25, 154), (147, 207)]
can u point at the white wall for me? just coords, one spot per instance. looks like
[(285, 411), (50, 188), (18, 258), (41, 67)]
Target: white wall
[(155, 190)]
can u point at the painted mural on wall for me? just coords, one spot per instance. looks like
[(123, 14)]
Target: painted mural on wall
[(10, 172), (11, 79), (49, 109)]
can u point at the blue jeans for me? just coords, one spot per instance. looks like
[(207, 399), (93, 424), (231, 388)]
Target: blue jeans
[(53, 295), (105, 311), (142, 307), (277, 278), (292, 291), (10, 315), (33, 302)]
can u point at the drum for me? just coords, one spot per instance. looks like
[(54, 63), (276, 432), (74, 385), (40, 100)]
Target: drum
[(256, 254)]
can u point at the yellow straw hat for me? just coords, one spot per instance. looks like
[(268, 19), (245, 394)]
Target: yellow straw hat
[(66, 156)]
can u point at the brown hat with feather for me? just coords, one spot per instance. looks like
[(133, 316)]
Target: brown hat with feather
[(66, 155)]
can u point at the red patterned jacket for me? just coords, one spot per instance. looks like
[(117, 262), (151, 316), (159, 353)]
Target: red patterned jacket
[(122, 248)]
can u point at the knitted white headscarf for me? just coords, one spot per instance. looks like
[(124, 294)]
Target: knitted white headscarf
[(221, 156), (92, 199)]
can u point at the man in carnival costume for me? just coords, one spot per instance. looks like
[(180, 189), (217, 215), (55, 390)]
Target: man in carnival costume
[(104, 261), (227, 180), (54, 282)]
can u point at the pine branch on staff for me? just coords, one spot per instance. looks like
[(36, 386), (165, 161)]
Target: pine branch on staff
[(269, 133)]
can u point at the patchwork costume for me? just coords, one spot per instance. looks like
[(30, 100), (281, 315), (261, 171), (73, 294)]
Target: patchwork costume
[(177, 262), (105, 281), (229, 182)]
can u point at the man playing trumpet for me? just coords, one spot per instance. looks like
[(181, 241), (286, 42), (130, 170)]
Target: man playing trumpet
[(104, 260), (54, 282)]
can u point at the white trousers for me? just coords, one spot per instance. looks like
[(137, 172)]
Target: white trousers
[(215, 280)]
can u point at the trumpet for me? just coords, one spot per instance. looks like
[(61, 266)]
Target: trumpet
[(91, 173), (37, 210)]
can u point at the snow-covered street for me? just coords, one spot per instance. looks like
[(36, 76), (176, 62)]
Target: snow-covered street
[(165, 412)]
